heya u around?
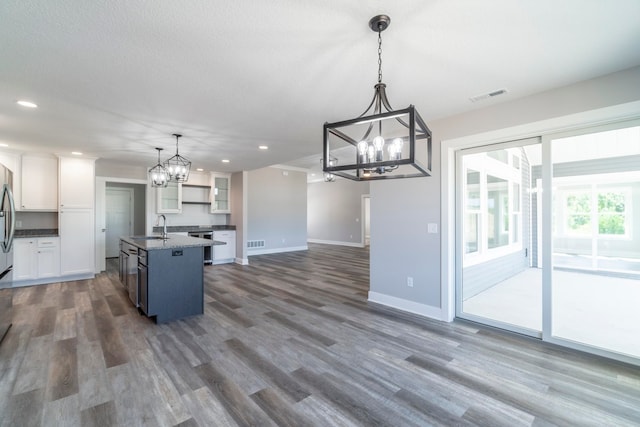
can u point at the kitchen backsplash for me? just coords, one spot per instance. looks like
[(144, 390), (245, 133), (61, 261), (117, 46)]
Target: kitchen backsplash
[(36, 220)]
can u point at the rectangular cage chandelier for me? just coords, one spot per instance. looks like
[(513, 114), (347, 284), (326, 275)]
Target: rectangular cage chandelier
[(381, 143)]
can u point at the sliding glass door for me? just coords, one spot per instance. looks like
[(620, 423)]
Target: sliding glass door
[(595, 284), (548, 238), (499, 281)]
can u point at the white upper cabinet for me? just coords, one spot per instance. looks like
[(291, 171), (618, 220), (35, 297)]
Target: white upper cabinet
[(169, 199), (220, 192), (77, 183), (39, 178)]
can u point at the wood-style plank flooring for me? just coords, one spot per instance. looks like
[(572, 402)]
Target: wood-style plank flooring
[(288, 340)]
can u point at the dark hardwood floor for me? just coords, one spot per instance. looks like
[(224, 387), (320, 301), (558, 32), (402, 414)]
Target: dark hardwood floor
[(288, 340)]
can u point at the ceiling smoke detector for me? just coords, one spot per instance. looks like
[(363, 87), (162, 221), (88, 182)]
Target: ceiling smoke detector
[(488, 95)]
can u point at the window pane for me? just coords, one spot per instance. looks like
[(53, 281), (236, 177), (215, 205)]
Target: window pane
[(611, 224), (473, 190), (501, 155), (471, 233), (497, 212)]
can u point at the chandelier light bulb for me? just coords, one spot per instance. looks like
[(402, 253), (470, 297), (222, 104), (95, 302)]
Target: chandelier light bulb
[(362, 147)]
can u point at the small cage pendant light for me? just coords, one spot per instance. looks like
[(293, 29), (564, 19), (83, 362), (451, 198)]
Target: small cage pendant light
[(178, 166), (158, 175)]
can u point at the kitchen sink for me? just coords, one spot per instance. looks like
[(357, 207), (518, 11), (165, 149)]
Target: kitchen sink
[(147, 238)]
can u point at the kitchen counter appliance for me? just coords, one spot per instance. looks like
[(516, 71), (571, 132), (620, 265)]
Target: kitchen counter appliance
[(208, 250), (7, 232), (129, 270)]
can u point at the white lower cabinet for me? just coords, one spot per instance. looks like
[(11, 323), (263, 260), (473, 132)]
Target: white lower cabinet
[(36, 258), (48, 257), (224, 253)]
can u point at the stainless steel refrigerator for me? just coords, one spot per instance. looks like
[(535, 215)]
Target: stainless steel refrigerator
[(7, 230)]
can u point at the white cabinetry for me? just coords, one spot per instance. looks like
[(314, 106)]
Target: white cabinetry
[(77, 216), (36, 259), (24, 261), (220, 192), (76, 241), (169, 199), (224, 253), (48, 254), (39, 178), (77, 183)]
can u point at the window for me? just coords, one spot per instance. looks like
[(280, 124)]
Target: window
[(472, 217), (492, 203), (601, 207)]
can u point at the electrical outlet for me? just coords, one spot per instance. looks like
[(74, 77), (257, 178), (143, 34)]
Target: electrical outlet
[(410, 282)]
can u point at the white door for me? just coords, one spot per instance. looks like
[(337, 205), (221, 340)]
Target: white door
[(119, 218)]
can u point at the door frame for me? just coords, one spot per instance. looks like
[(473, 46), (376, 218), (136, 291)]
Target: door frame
[(459, 235), (101, 217)]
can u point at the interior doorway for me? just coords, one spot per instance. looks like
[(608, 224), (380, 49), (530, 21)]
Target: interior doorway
[(138, 216), (119, 218)]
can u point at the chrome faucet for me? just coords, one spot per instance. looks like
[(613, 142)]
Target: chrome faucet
[(164, 226)]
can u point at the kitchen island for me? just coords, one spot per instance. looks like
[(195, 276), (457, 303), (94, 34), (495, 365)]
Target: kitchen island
[(168, 283)]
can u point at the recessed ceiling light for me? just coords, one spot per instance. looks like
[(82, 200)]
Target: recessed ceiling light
[(263, 147), (27, 104), (76, 153), (200, 169), (313, 174), (225, 160)]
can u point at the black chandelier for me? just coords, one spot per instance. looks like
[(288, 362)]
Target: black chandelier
[(381, 143), (159, 175), (178, 166)]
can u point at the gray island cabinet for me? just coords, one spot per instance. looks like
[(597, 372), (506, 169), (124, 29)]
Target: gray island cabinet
[(169, 282)]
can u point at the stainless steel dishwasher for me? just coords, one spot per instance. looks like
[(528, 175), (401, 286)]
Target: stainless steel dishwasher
[(129, 270)]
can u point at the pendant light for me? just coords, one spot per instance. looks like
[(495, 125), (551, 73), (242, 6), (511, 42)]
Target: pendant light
[(158, 175), (380, 143), (178, 166)]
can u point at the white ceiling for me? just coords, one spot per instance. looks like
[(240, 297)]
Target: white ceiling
[(114, 79)]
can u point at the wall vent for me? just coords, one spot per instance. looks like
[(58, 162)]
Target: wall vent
[(488, 95), (255, 244)]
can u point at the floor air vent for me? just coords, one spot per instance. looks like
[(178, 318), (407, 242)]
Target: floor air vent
[(255, 244)]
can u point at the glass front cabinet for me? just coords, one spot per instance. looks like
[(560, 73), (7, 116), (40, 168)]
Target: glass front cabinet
[(169, 199), (220, 193)]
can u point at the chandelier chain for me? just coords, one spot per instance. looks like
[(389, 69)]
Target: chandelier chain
[(379, 56)]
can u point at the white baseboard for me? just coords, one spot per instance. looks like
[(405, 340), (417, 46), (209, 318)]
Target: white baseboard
[(336, 242), (242, 261), (276, 250), (408, 306), (49, 280)]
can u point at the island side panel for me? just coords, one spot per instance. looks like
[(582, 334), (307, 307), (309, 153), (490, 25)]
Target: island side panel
[(175, 283)]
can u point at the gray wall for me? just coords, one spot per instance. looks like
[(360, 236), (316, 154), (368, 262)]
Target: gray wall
[(401, 209), (239, 212), (334, 211), (112, 169), (277, 208)]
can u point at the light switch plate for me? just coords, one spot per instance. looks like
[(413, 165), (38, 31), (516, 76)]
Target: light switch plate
[(432, 228)]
